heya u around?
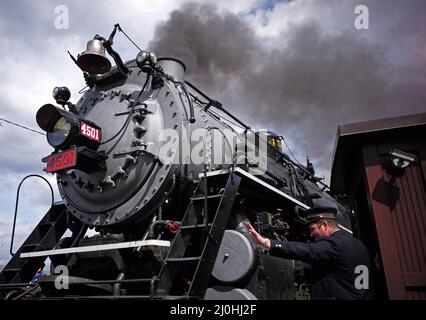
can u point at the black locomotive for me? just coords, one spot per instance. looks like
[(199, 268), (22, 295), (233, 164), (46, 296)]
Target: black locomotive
[(166, 177)]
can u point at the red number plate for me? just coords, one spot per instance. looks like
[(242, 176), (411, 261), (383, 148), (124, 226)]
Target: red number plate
[(90, 132), (61, 160)]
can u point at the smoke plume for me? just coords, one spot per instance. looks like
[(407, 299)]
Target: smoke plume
[(305, 80)]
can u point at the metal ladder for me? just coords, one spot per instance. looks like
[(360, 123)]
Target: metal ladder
[(193, 252), (44, 237)]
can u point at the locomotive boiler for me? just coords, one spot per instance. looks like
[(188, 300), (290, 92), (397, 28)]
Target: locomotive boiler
[(166, 177)]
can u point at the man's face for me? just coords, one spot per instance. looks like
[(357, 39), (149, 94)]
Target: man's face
[(317, 230)]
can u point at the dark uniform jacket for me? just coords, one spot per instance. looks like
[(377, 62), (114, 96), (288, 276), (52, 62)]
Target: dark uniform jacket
[(334, 260)]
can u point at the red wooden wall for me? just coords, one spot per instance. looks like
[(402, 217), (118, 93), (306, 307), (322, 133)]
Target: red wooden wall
[(397, 200)]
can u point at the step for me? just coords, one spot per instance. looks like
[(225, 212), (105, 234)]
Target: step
[(171, 297), (44, 227), (30, 247), (45, 224), (216, 196), (195, 226), (10, 270), (184, 259)]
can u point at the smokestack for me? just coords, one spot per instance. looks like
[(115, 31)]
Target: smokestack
[(172, 67)]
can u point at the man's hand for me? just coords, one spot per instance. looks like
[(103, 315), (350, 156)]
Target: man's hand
[(257, 237)]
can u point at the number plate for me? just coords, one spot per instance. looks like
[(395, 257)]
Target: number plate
[(61, 160), (90, 132)]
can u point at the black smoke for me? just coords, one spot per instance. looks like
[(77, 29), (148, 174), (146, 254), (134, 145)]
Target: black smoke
[(210, 43), (311, 83)]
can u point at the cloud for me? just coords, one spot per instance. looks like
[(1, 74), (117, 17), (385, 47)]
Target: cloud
[(301, 68)]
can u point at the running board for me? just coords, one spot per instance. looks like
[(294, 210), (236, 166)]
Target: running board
[(244, 174), (153, 245)]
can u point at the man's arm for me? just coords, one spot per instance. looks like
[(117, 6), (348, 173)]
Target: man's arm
[(308, 252), (321, 250)]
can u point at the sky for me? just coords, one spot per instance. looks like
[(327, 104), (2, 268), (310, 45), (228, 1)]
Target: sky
[(299, 68)]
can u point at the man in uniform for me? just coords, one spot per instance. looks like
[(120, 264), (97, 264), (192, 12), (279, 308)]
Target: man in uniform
[(340, 263)]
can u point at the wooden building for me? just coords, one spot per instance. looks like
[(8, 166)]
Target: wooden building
[(381, 167)]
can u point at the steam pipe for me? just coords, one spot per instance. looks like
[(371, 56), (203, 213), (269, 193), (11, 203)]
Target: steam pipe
[(117, 286)]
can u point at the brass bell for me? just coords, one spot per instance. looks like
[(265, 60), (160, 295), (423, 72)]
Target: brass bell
[(93, 60)]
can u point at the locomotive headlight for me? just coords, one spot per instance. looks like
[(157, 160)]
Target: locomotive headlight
[(65, 129), (58, 131)]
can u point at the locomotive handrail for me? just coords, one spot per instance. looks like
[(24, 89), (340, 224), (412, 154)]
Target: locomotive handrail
[(16, 206), (216, 104), (191, 106)]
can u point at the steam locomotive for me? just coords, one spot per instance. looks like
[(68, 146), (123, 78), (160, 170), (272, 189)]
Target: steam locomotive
[(169, 218)]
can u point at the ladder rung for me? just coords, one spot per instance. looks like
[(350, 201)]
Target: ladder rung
[(11, 270), (208, 197), (170, 297), (44, 224), (195, 226), (29, 247), (185, 259)]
